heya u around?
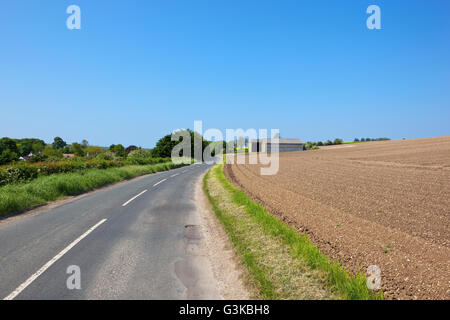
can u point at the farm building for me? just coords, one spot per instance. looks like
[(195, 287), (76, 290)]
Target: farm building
[(267, 145)]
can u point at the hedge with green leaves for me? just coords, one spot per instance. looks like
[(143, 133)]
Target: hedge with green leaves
[(24, 171)]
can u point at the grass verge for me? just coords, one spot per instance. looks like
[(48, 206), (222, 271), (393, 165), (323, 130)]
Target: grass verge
[(283, 263), (19, 197)]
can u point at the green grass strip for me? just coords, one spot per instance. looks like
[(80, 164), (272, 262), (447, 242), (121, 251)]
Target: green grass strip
[(349, 286), (249, 260), (18, 197)]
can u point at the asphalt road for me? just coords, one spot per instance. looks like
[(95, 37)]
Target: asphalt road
[(127, 244)]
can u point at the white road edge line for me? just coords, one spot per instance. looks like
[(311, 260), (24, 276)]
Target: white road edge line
[(22, 287), (140, 194), (159, 182), (174, 175)]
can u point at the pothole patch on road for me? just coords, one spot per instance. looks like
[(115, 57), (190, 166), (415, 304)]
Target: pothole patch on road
[(193, 232)]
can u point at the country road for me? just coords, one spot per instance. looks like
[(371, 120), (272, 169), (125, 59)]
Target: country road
[(129, 240)]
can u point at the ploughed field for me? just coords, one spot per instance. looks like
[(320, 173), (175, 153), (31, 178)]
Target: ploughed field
[(377, 203)]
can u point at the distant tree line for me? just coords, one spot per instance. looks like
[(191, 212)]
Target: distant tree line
[(314, 145), (36, 150), (12, 149), (370, 139)]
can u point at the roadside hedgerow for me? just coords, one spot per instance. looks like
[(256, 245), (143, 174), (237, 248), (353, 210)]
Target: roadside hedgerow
[(24, 171), (22, 196)]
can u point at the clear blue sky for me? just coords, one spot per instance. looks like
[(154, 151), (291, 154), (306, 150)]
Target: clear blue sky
[(139, 69)]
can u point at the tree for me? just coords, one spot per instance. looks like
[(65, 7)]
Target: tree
[(52, 153), (130, 148), (7, 156), (26, 146), (66, 149), (84, 143), (118, 149), (8, 151), (37, 147), (165, 145), (8, 144), (356, 140), (338, 141), (319, 143), (77, 149), (59, 143), (308, 145), (93, 151), (328, 143)]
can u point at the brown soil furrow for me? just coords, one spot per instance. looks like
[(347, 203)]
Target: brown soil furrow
[(387, 208)]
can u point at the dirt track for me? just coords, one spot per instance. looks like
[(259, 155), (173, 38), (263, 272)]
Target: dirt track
[(378, 203)]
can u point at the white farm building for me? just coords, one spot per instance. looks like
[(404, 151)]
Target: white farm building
[(269, 145)]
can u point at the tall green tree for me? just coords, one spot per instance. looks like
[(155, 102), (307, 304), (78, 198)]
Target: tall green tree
[(8, 144), (8, 151), (59, 143), (165, 145), (7, 156)]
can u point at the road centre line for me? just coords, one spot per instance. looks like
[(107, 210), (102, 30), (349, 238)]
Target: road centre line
[(23, 286), (140, 194), (174, 175), (159, 182)]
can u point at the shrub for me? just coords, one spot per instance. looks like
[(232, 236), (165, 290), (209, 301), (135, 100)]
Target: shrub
[(146, 161), (52, 153), (108, 155), (38, 158), (139, 153), (118, 150), (93, 151), (309, 145)]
